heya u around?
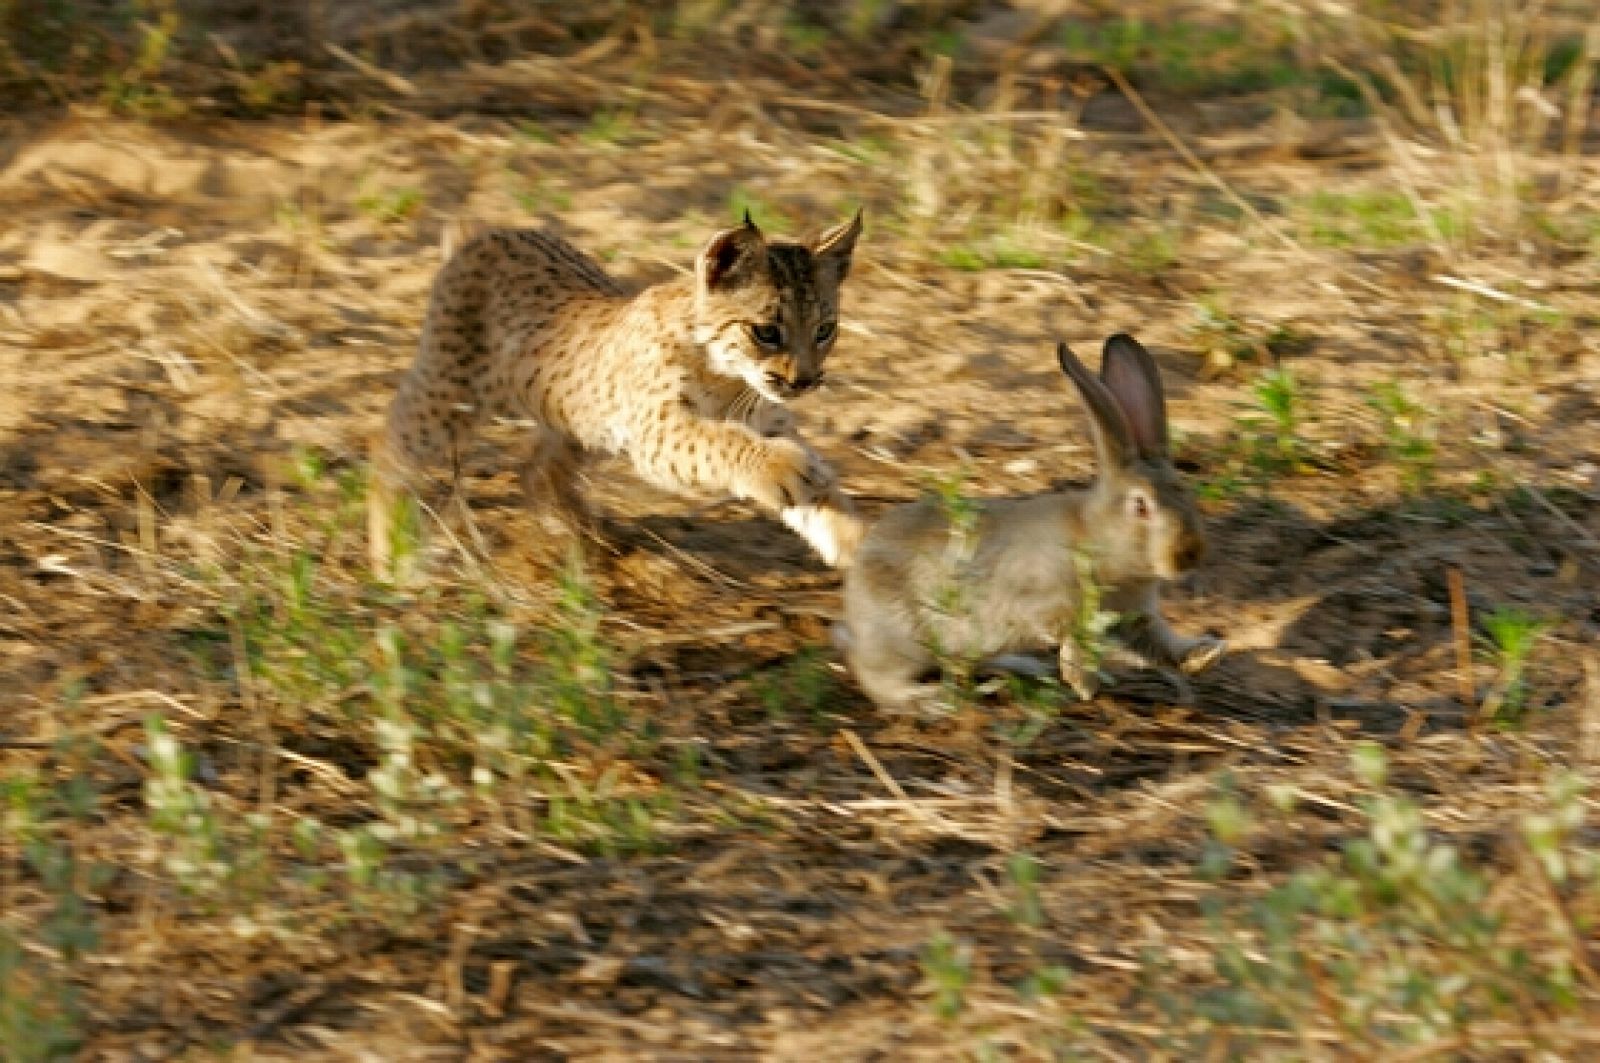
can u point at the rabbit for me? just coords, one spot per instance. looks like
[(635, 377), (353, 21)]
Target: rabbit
[(1012, 579)]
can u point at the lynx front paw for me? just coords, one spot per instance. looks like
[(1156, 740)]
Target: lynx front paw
[(789, 475), (832, 529)]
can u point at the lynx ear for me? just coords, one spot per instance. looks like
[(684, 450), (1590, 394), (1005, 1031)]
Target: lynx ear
[(730, 255), (835, 247)]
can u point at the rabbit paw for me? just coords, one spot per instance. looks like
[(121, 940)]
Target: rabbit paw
[(1201, 653), (1083, 681)]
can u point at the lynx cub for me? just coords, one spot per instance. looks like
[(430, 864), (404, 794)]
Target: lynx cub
[(688, 378)]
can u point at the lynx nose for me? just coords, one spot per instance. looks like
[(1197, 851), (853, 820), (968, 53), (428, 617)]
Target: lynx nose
[(805, 383)]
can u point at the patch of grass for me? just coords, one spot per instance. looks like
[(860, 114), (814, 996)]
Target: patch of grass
[(390, 206), (1280, 395), (1267, 442), (768, 216), (803, 37), (1408, 433), (1376, 219), (947, 968), (1229, 340), (1148, 251), (45, 942), (1399, 940), (139, 89), (1007, 251), (1188, 57), (1475, 102), (1510, 635), (1466, 327), (802, 685), (609, 126), (537, 195)]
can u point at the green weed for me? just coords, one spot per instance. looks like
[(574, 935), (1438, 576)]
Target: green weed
[(947, 966), (1402, 939), (1408, 433), (1372, 219), (1279, 395), (802, 686), (390, 206), (1510, 637)]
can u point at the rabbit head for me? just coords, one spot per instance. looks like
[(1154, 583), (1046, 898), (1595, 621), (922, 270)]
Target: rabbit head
[(1144, 518)]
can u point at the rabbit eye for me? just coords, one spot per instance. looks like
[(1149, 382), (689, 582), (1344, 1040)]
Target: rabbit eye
[(769, 336), (1141, 507), (825, 331)]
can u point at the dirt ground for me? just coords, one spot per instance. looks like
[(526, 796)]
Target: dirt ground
[(187, 304)]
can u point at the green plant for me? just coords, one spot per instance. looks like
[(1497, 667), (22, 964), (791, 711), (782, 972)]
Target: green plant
[(389, 206), (44, 944), (1401, 939), (1375, 219), (1408, 433), (1149, 251), (744, 202), (1011, 250), (1023, 872), (1510, 637), (137, 89), (947, 966), (1471, 103), (802, 684), (1280, 396), (197, 857)]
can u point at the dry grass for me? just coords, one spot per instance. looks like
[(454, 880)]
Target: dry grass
[(256, 804)]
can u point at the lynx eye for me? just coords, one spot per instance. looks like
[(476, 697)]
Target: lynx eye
[(770, 336), (825, 331)]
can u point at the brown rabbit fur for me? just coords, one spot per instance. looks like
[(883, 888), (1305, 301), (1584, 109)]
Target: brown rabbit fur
[(1018, 572)]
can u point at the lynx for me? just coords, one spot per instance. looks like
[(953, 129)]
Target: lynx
[(688, 379)]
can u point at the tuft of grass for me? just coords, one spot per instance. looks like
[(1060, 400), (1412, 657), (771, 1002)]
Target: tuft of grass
[(1005, 251), (947, 967), (1401, 939), (1376, 219), (1510, 636), (767, 215), (1280, 395), (1473, 103), (390, 206), (1224, 56), (802, 685), (1408, 433)]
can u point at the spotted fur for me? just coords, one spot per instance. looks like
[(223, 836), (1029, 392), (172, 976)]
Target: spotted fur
[(687, 379)]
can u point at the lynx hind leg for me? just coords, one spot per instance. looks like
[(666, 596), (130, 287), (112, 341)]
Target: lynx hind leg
[(550, 483), (416, 436)]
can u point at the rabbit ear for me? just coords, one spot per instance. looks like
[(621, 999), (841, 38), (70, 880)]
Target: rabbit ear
[(1130, 374), (1111, 437)]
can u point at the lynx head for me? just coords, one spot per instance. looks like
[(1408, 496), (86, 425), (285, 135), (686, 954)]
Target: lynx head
[(767, 311)]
